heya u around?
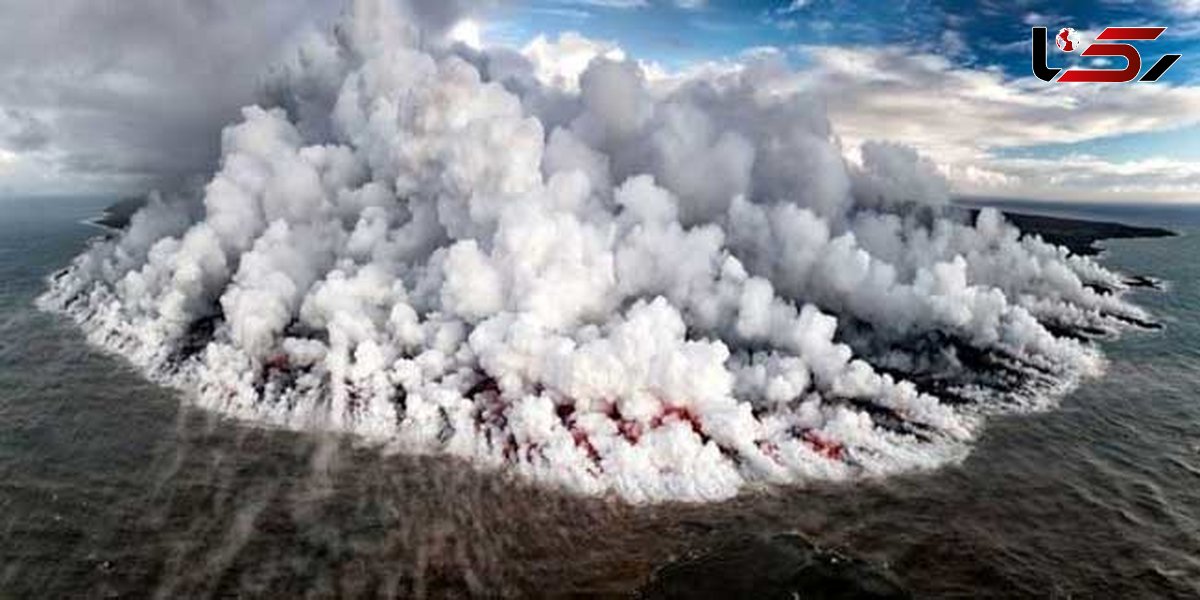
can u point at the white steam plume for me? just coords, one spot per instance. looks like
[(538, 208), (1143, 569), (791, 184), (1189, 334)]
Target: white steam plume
[(617, 288)]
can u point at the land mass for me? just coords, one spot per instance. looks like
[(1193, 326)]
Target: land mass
[(118, 215), (1078, 235)]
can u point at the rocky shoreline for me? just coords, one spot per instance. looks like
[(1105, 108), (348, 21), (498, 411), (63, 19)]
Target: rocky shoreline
[(1078, 235), (118, 214)]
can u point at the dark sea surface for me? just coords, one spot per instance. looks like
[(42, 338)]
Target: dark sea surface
[(110, 486)]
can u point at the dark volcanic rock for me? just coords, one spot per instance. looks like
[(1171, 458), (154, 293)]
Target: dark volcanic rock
[(118, 215), (783, 566), (1141, 281), (1078, 235)]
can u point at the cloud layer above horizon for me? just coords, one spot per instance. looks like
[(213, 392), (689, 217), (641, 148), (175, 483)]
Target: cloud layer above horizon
[(120, 99)]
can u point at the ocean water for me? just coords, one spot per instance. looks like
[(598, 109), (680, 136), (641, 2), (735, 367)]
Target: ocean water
[(111, 486)]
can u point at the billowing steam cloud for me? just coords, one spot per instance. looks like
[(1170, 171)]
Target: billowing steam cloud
[(662, 292)]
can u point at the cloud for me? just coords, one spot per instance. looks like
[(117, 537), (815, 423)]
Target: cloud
[(1184, 8), (954, 43), (576, 14), (103, 95), (136, 87), (21, 130), (467, 31), (656, 289), (437, 16), (1089, 177), (960, 116), (7, 158), (630, 4), (559, 63), (795, 6), (968, 120)]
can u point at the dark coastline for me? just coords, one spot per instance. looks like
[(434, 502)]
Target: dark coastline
[(118, 215), (782, 565), (1078, 235)]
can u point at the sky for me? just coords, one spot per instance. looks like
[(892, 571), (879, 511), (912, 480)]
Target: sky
[(119, 97)]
